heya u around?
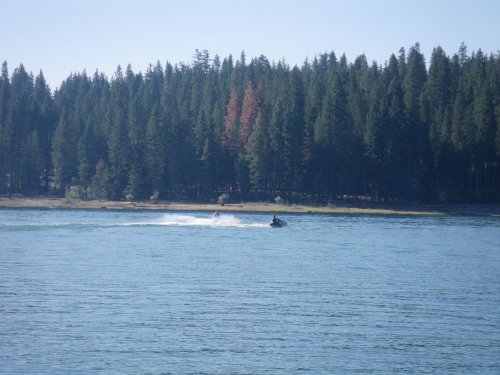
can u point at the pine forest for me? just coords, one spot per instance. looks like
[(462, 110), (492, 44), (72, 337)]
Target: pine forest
[(408, 130)]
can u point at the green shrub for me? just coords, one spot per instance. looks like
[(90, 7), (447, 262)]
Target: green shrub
[(74, 192), (223, 199), (155, 196)]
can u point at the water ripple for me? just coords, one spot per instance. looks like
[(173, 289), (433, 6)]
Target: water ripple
[(84, 292)]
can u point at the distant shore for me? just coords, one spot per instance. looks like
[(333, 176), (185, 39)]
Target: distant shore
[(339, 208)]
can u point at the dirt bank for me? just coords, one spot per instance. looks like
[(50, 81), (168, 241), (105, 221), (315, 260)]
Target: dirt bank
[(342, 208)]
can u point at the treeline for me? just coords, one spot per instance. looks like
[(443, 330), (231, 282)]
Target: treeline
[(257, 130)]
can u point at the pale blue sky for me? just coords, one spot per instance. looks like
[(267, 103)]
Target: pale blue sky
[(64, 36)]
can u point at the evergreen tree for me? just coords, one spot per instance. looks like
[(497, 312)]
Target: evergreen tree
[(332, 136), (45, 120), (394, 132), (137, 175), (5, 148), (415, 132), (156, 152), (259, 154), (64, 159), (100, 182)]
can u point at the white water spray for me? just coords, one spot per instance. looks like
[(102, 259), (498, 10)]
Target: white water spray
[(213, 221), (223, 220)]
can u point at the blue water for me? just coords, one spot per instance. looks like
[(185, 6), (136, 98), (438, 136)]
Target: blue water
[(184, 293)]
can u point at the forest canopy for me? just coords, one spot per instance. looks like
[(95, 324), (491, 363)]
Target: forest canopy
[(402, 131)]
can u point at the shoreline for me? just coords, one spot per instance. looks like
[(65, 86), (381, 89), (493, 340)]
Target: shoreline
[(339, 208)]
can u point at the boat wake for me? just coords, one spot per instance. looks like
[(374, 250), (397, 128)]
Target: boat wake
[(165, 220), (213, 221)]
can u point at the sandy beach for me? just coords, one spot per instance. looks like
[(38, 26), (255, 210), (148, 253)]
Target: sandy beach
[(339, 208)]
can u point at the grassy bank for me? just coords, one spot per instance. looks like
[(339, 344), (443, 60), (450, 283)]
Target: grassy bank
[(341, 208)]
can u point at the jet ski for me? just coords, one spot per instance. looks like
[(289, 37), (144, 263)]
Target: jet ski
[(277, 223)]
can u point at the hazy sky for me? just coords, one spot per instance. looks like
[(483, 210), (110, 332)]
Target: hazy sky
[(64, 36)]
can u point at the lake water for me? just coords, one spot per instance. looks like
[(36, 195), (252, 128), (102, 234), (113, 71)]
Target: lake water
[(183, 293)]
